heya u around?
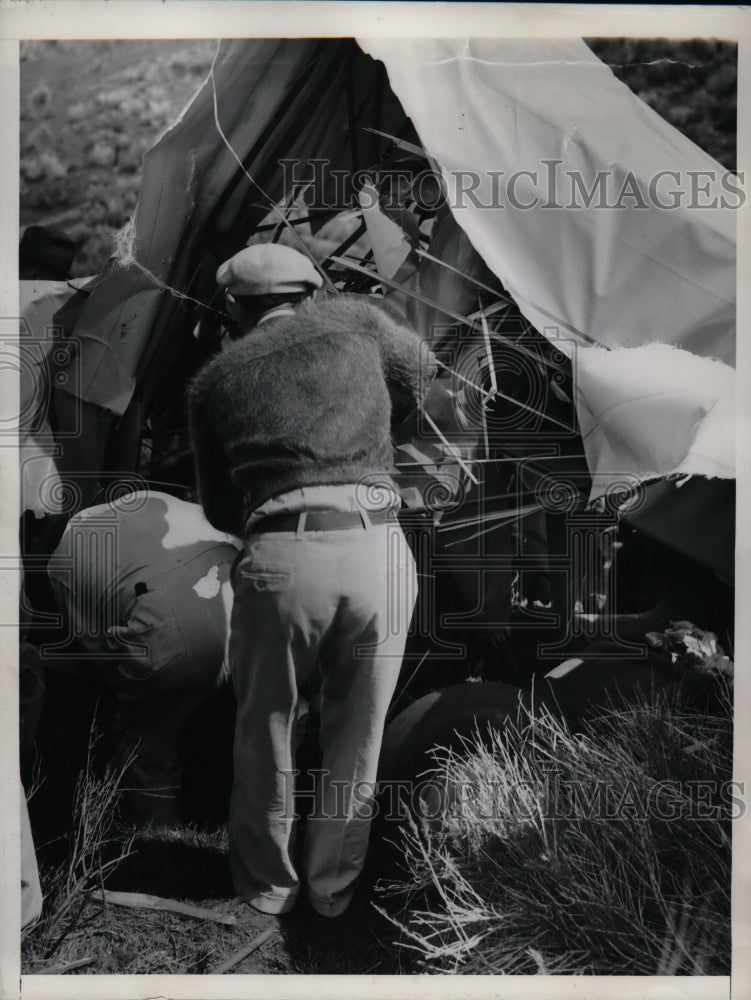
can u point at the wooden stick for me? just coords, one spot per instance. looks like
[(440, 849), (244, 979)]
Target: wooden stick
[(485, 436), (58, 970), (489, 352), (238, 956), (139, 900)]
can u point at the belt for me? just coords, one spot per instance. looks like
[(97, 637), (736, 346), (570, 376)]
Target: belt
[(329, 520)]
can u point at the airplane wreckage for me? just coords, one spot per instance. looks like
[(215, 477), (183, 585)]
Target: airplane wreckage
[(568, 484)]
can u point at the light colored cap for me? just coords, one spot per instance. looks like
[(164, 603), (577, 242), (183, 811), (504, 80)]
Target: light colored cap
[(268, 269)]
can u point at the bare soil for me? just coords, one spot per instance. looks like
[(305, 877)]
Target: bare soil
[(89, 111)]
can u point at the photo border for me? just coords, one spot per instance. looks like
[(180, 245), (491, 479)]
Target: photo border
[(132, 19)]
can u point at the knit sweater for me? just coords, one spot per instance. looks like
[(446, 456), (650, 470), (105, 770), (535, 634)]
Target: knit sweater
[(302, 400)]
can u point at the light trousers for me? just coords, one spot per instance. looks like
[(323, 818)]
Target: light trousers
[(338, 602)]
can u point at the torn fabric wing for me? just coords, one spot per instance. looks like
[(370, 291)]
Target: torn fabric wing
[(648, 412), (607, 226), (524, 131)]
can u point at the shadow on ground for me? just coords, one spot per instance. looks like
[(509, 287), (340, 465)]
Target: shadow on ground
[(173, 869)]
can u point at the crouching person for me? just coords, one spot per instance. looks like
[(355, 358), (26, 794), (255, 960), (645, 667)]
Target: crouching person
[(291, 427), (143, 586)]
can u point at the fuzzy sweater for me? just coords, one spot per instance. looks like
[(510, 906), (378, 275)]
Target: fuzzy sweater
[(302, 400)]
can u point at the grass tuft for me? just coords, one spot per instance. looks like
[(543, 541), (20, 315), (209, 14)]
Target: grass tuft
[(603, 852), (89, 861)]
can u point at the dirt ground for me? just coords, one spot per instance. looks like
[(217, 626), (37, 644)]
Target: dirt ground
[(192, 867), (89, 111), (189, 865)]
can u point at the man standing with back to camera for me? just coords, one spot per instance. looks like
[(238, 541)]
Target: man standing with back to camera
[(291, 428)]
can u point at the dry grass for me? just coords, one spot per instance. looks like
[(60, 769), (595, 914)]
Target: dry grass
[(94, 850), (549, 854), (81, 934)]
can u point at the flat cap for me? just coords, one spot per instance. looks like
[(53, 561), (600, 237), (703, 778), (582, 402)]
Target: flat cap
[(268, 269)]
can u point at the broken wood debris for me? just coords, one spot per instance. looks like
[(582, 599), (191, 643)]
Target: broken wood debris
[(238, 956), (63, 967), (139, 900)]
